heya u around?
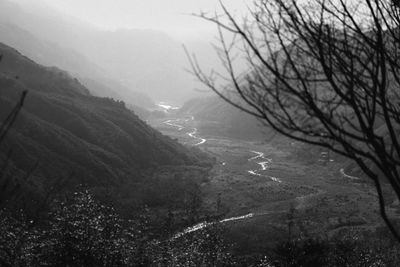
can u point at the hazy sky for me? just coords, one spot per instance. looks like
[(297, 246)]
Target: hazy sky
[(171, 16)]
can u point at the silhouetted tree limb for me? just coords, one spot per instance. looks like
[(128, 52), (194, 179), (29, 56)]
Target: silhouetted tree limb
[(8, 186), (326, 73), (9, 121)]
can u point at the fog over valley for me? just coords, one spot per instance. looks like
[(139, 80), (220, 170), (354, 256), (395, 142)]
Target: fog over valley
[(199, 133), (142, 60)]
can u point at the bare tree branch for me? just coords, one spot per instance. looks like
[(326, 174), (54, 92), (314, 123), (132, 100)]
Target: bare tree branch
[(325, 73)]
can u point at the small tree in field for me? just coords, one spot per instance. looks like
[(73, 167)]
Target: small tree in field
[(323, 72)]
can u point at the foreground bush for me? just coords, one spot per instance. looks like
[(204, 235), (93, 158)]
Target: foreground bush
[(82, 232)]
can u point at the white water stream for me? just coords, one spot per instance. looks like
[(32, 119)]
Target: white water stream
[(172, 123), (203, 225), (167, 107), (264, 164), (192, 134), (348, 176)]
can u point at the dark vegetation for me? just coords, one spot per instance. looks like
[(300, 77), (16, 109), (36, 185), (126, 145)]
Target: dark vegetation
[(120, 199), (56, 142), (64, 137), (69, 135), (85, 182), (79, 231)]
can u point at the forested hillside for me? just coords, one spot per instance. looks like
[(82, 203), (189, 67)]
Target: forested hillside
[(147, 62), (68, 133)]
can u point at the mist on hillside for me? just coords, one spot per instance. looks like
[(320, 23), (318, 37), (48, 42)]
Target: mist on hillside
[(128, 60), (199, 133)]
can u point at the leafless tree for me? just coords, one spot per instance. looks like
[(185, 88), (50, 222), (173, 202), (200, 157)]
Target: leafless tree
[(325, 72)]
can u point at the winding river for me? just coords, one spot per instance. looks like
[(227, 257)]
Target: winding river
[(264, 165), (192, 134), (260, 159), (173, 124)]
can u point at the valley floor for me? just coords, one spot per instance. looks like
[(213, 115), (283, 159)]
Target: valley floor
[(274, 193)]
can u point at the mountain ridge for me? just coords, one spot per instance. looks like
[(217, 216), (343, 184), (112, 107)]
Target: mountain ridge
[(69, 131), (51, 54)]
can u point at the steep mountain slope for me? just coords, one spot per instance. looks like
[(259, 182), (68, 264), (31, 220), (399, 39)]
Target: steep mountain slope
[(50, 54), (70, 133), (147, 61)]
